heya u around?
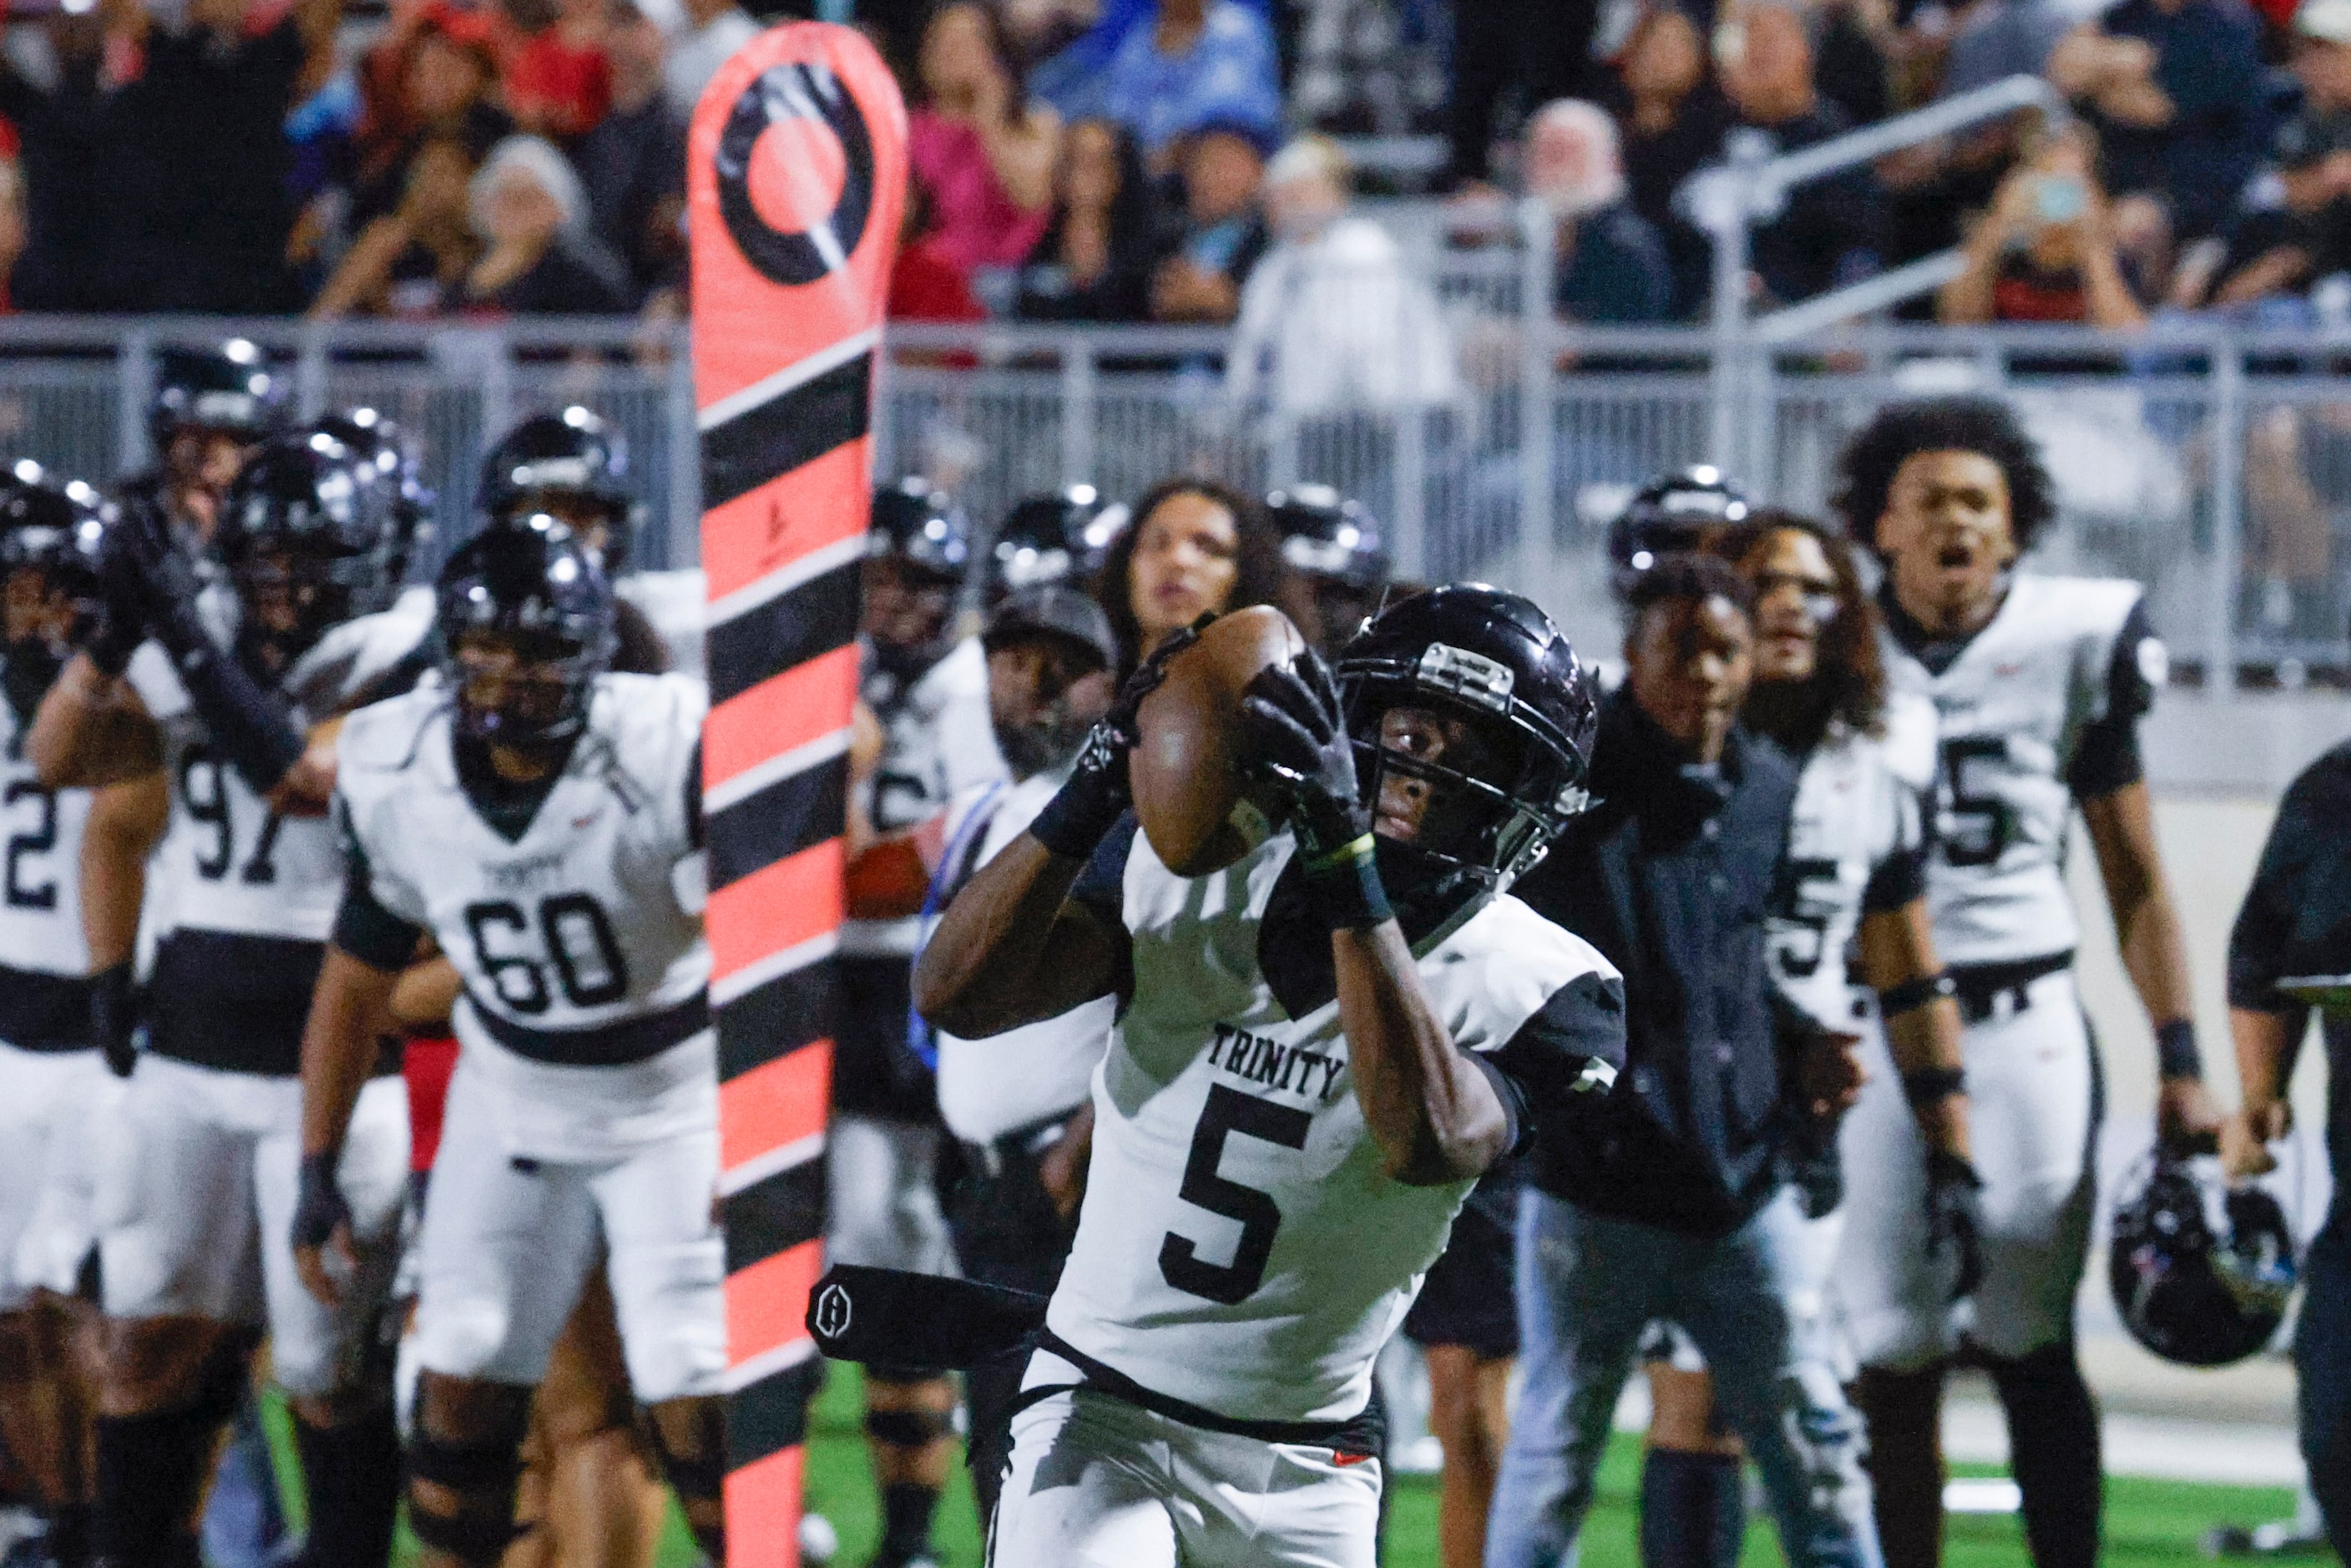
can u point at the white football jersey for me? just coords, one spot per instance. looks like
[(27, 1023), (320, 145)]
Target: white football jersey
[(579, 944), (2010, 712), (41, 939), (936, 742), (1241, 1248), (1860, 802), (990, 1087), (230, 864)]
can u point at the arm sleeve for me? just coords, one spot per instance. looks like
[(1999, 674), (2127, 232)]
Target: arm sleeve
[(1101, 886), (1571, 1051), (1899, 878), (363, 927), (2108, 759)]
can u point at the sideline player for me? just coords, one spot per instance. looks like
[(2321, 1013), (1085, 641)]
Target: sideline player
[(53, 1083), (1320, 1049), (924, 691), (1018, 1104), (540, 819), (2038, 684), (196, 1194), (1854, 882)]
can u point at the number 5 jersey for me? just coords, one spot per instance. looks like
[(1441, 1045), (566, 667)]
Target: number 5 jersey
[(578, 935), (1241, 1248), (2035, 710)]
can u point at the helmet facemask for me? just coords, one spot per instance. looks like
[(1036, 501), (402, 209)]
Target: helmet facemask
[(1452, 785), (523, 689), (291, 598)]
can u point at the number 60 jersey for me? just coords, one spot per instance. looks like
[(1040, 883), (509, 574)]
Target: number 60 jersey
[(580, 941)]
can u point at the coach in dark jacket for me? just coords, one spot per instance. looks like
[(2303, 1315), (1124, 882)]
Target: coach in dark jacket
[(1671, 1199), (2295, 925)]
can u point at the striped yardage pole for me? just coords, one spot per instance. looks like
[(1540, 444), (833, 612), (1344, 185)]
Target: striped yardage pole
[(796, 183)]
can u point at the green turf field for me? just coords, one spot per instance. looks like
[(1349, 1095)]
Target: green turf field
[(2149, 1524)]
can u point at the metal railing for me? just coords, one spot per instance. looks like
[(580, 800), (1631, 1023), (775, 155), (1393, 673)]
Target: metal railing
[(2214, 464)]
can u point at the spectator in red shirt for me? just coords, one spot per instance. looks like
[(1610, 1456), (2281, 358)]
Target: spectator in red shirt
[(2045, 251), (559, 82)]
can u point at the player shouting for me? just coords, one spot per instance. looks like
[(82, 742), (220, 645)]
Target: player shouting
[(540, 819), (2038, 684), (1320, 1049)]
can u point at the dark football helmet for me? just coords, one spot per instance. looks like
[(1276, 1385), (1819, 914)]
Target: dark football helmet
[(309, 537), (379, 440), (1334, 544), (921, 528), (230, 388), (526, 624), (2201, 1272), (1493, 658), (1056, 538), (51, 532), (573, 467), (1327, 535), (1674, 513)]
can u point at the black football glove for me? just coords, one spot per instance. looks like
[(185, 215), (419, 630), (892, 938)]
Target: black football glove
[(319, 1206), (1295, 742), (114, 1018), (1295, 739), (1099, 792), (114, 633), (1955, 1220)]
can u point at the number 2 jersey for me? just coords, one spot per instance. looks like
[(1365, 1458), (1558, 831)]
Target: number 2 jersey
[(1856, 847), (2037, 710), (244, 897), (577, 932), (44, 957), (1239, 1248)]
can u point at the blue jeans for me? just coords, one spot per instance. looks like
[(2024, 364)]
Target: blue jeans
[(2322, 1357), (1587, 1285)]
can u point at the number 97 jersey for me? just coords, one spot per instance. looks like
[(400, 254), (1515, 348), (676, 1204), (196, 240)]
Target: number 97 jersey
[(579, 940), (2034, 711)]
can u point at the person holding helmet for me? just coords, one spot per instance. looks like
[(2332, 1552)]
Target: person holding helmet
[(1061, 537), (1334, 544), (2039, 683), (208, 1153), (925, 738), (52, 1076), (2289, 957), (1361, 1023), (540, 819), (573, 466)]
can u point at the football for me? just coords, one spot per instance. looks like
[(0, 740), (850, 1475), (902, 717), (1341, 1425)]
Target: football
[(1187, 792)]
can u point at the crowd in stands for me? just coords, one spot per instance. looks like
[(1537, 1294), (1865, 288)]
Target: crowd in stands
[(1120, 160)]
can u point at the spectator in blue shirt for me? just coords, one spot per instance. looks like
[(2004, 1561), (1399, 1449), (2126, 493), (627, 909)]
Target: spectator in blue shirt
[(1199, 63)]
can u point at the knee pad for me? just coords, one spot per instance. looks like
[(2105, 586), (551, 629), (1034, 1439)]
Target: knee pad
[(483, 1476), (907, 1428)]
